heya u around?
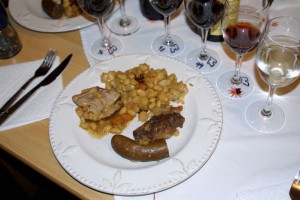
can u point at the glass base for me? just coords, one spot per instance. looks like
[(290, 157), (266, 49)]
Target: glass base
[(103, 53), (235, 91), (173, 49), (211, 64), (265, 124), (125, 30)]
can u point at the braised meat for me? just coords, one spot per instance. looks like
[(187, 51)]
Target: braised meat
[(53, 9), (58, 9), (98, 103), (159, 127)]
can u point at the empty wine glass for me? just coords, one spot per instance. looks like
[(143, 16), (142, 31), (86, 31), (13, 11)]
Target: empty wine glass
[(169, 45), (278, 64), (241, 28), (125, 24), (204, 14), (104, 47)]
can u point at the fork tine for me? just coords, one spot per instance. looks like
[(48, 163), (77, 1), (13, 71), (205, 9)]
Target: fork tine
[(49, 52), (50, 58)]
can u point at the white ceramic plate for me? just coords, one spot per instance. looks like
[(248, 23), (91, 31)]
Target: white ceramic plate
[(94, 163), (29, 13)]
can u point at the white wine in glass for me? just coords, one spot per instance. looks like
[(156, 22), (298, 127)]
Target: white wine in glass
[(278, 64)]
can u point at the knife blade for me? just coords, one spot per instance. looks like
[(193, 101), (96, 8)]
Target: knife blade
[(51, 77)]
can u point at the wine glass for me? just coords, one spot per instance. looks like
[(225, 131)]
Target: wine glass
[(168, 44), (103, 48), (124, 25), (204, 14), (241, 28), (278, 64)]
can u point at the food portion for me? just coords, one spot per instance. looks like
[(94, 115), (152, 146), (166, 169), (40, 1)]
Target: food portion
[(149, 142), (138, 151), (153, 95), (142, 91), (146, 91), (58, 9), (158, 127), (97, 103)]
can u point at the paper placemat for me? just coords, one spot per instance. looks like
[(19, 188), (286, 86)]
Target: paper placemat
[(39, 105)]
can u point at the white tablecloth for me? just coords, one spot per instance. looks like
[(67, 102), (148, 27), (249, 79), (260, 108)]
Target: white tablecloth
[(244, 160)]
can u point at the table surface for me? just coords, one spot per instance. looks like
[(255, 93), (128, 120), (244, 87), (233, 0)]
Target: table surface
[(30, 143), (247, 158)]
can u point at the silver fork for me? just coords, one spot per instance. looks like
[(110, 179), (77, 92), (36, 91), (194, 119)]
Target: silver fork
[(41, 71)]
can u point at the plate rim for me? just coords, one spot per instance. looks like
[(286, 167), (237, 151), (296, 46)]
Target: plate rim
[(204, 158)]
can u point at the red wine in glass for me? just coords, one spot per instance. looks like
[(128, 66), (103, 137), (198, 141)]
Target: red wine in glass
[(242, 37), (103, 48), (168, 44), (242, 27), (204, 14), (149, 12), (166, 7), (97, 9)]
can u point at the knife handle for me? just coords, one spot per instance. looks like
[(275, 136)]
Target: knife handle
[(4, 115)]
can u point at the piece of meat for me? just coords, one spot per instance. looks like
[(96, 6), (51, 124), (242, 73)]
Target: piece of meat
[(58, 9), (159, 127), (135, 151), (98, 103)]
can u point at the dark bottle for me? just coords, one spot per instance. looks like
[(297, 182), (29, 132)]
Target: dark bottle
[(10, 44), (215, 33), (149, 12)]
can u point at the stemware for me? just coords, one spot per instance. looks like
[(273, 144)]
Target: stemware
[(125, 24), (278, 64), (241, 28), (204, 14), (168, 44), (104, 47)]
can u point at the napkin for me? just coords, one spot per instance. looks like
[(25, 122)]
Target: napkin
[(273, 192), (39, 105), (285, 8)]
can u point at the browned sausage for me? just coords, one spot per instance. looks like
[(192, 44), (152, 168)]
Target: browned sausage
[(135, 151)]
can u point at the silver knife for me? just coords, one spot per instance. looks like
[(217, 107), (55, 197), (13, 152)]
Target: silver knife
[(51, 77)]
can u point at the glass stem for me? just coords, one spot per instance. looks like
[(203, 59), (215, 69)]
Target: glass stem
[(266, 111), (236, 79), (124, 19), (203, 53), (168, 40), (104, 38)]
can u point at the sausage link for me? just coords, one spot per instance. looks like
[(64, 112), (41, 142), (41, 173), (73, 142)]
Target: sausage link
[(135, 151)]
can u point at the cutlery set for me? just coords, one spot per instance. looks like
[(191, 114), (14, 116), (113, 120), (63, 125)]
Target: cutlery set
[(8, 109)]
